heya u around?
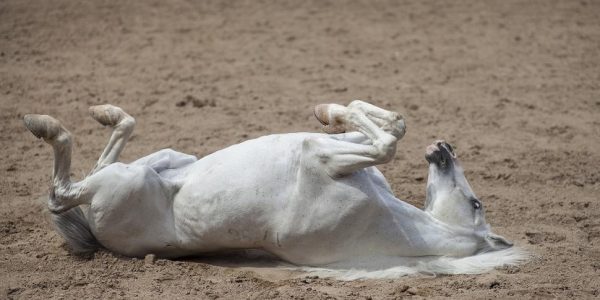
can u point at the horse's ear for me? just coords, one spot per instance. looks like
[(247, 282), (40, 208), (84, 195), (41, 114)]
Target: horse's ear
[(497, 242)]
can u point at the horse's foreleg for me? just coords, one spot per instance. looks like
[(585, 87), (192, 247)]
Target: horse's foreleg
[(336, 118), (122, 124), (389, 121), (64, 194), (342, 157)]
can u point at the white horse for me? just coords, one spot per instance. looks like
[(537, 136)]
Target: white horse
[(311, 199)]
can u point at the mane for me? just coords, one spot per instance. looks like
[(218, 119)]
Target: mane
[(378, 268)]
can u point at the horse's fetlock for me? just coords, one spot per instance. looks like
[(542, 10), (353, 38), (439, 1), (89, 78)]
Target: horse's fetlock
[(63, 138), (127, 121)]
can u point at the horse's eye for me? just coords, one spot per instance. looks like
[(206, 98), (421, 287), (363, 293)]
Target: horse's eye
[(476, 203)]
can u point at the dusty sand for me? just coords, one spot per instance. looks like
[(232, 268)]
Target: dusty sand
[(515, 85)]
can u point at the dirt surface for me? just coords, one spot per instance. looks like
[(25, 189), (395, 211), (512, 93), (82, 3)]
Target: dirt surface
[(515, 85)]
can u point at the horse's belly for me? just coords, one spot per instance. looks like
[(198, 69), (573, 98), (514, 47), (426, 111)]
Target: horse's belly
[(230, 198), (259, 195)]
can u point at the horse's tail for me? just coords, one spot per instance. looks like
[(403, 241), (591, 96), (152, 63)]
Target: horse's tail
[(74, 227)]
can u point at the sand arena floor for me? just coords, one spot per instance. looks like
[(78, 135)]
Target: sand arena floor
[(515, 85)]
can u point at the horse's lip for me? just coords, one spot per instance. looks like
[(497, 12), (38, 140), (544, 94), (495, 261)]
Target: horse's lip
[(440, 153), (432, 156), (431, 149)]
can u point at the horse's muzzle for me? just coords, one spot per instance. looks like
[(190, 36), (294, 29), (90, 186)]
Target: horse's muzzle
[(440, 153)]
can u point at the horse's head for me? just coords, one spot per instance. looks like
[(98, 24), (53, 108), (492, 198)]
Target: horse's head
[(450, 198)]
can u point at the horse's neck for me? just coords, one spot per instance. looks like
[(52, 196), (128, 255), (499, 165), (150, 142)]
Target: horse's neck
[(451, 240), (429, 235)]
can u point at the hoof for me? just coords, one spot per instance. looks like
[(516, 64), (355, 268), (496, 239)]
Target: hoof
[(107, 115), (322, 113), (330, 125), (42, 126)]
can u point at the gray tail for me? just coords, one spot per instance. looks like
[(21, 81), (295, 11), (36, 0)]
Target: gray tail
[(74, 227)]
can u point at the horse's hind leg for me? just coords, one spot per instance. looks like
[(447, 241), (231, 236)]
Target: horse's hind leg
[(122, 124), (64, 194)]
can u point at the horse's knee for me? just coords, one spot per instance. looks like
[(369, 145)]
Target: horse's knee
[(385, 148)]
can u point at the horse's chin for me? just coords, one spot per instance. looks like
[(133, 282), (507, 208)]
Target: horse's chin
[(491, 242)]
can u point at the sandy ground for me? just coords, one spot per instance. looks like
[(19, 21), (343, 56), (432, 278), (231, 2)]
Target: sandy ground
[(515, 85)]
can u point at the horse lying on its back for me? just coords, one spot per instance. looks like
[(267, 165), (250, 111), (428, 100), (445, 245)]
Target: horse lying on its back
[(310, 199)]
